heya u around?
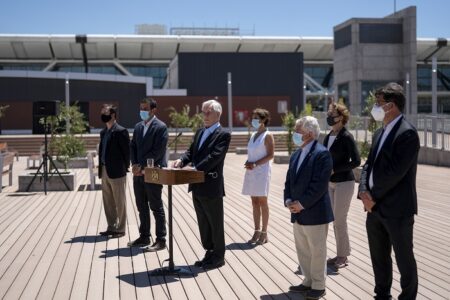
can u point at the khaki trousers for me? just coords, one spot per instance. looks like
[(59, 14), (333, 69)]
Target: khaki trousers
[(311, 245), (114, 201), (341, 194)]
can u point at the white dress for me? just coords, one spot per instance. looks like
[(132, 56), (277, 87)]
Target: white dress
[(256, 181)]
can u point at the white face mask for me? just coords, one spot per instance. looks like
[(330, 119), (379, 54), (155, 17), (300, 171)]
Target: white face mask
[(255, 123), (297, 138), (378, 113)]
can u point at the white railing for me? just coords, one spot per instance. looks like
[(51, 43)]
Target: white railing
[(434, 132)]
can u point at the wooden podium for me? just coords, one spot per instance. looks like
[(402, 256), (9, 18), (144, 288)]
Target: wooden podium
[(171, 177)]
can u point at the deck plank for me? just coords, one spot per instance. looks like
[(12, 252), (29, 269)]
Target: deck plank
[(50, 247)]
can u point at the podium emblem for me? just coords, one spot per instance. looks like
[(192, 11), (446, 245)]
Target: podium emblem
[(154, 175)]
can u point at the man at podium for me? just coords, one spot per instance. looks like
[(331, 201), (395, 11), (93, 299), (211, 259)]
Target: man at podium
[(207, 153)]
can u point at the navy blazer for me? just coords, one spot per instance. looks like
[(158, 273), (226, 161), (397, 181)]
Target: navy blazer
[(152, 145), (209, 159), (310, 186), (117, 156), (394, 171)]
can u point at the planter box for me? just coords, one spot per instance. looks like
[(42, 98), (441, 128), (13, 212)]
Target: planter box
[(73, 163), (241, 150), (281, 158), (54, 182)]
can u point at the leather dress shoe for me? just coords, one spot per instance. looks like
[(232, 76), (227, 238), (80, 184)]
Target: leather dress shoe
[(116, 234), (106, 233), (139, 242), (299, 288), (157, 246), (213, 263), (313, 294), (207, 256)]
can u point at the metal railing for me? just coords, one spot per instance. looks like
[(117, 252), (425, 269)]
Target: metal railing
[(434, 131)]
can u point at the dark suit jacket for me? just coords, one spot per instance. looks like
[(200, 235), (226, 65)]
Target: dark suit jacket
[(117, 156), (394, 171), (152, 145), (310, 186), (345, 154), (209, 159)]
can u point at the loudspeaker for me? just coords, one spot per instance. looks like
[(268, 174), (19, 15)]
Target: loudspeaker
[(46, 108)]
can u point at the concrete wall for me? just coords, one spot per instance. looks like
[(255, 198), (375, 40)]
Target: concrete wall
[(381, 61)]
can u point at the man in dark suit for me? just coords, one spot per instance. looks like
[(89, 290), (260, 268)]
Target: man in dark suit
[(149, 142), (207, 153), (114, 158), (388, 192), (306, 196)]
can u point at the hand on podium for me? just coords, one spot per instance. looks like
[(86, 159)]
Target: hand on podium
[(177, 163)]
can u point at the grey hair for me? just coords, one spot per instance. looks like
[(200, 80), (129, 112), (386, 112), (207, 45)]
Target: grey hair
[(215, 106), (309, 124)]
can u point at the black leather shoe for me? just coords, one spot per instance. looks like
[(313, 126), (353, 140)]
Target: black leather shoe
[(213, 263), (299, 288), (315, 294), (207, 256), (139, 242), (158, 245), (116, 235), (106, 233)]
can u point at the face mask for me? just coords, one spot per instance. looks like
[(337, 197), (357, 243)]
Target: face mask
[(106, 118), (331, 121), (378, 113), (297, 138), (145, 115), (255, 123)]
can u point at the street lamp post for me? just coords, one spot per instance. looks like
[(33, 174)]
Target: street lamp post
[(230, 102), (67, 90)]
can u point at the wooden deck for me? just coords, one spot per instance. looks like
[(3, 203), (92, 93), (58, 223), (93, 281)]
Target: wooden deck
[(50, 247)]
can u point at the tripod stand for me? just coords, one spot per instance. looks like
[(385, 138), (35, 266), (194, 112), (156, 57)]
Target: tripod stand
[(44, 165)]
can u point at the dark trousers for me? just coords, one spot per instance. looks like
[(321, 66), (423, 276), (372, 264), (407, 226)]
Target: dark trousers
[(148, 196), (385, 234), (210, 223)]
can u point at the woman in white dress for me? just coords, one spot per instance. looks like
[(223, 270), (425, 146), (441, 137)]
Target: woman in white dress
[(257, 174)]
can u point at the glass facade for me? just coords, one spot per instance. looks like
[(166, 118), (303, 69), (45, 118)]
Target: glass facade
[(424, 78), (424, 104), (79, 68), (22, 67), (323, 74), (158, 72)]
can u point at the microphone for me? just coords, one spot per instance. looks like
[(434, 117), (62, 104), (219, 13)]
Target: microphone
[(175, 139)]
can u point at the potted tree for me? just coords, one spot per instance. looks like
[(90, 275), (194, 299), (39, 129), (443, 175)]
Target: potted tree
[(182, 120), (66, 137), (372, 126)]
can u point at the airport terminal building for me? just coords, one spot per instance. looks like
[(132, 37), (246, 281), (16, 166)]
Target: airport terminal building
[(278, 73)]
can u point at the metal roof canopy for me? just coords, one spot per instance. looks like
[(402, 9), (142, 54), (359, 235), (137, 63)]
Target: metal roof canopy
[(148, 48)]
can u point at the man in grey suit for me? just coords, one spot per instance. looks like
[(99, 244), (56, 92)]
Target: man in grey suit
[(149, 142)]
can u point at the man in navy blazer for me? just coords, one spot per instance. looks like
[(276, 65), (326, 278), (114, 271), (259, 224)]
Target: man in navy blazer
[(149, 142), (306, 196), (207, 153), (388, 191)]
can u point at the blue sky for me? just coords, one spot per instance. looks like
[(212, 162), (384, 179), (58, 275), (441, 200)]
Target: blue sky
[(269, 18)]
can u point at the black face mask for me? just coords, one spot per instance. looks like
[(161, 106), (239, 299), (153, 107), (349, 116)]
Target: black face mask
[(331, 121), (106, 118)]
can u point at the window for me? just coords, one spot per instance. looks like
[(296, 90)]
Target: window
[(157, 72)]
